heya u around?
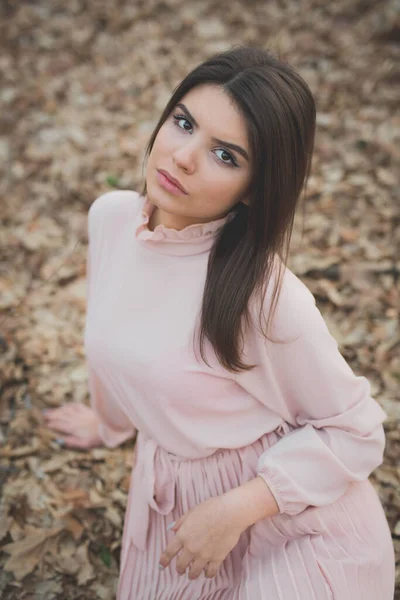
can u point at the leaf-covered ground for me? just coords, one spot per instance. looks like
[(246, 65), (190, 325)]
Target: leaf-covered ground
[(82, 85)]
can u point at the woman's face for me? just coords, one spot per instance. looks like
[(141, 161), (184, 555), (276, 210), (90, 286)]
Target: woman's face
[(214, 175)]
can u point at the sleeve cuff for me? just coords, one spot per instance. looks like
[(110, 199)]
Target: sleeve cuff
[(277, 485), (273, 487)]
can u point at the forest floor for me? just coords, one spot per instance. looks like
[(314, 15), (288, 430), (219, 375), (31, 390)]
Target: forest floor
[(83, 84)]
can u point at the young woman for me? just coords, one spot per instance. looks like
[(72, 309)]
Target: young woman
[(254, 446)]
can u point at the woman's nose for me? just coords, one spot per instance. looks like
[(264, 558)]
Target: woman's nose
[(185, 158)]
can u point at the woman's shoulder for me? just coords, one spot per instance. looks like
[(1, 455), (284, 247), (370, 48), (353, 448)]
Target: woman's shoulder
[(115, 202), (295, 290), (297, 310), (295, 307)]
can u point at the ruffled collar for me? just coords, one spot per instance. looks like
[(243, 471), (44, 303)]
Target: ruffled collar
[(193, 239)]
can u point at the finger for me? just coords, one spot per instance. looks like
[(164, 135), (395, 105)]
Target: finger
[(61, 425), (58, 410), (197, 567), (78, 408), (76, 442), (211, 569), (47, 413), (70, 409), (61, 418), (183, 561), (179, 522), (171, 550), (48, 418)]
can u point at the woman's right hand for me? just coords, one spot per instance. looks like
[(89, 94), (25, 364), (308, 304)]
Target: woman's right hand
[(77, 422)]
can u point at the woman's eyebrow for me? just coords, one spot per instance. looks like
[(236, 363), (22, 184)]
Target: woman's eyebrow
[(238, 149)]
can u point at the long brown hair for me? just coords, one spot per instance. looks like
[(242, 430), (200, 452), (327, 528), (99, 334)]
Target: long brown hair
[(280, 113)]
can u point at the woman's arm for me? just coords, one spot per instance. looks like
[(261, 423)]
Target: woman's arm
[(114, 426), (338, 436)]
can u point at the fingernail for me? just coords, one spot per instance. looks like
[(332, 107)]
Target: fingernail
[(60, 441), (160, 567), (44, 411), (170, 526)]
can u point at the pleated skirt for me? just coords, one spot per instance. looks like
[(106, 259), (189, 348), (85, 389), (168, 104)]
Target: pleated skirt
[(342, 551)]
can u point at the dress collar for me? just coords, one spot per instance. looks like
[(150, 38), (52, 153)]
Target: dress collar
[(193, 239)]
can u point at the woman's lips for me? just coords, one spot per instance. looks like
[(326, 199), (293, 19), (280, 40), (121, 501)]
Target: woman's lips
[(168, 184)]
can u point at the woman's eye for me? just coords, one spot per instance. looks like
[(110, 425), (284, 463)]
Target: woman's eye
[(178, 118), (232, 162)]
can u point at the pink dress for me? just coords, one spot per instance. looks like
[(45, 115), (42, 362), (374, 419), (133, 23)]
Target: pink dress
[(301, 419)]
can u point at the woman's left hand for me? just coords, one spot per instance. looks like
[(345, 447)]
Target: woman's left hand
[(206, 534)]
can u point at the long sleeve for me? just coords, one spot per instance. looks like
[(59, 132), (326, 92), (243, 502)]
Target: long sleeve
[(114, 427), (337, 436)]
